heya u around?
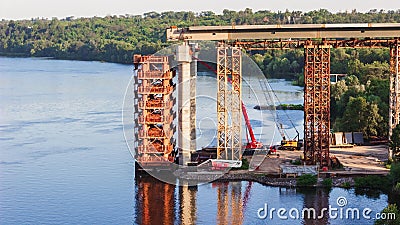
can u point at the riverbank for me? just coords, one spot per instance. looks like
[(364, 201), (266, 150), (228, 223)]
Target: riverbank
[(265, 179), (280, 107), (359, 161)]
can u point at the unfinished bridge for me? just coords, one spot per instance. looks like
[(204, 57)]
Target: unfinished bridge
[(316, 39)]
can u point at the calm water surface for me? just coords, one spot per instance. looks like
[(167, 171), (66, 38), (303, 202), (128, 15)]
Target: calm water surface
[(64, 160)]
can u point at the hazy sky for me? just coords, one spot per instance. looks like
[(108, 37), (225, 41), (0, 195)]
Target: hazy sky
[(26, 9)]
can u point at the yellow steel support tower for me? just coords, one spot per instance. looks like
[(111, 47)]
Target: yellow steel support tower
[(236, 109), (229, 141), (222, 117)]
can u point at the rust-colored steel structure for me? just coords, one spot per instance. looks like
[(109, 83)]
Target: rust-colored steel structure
[(314, 101), (316, 104), (154, 116), (229, 110), (394, 95), (316, 39), (290, 44)]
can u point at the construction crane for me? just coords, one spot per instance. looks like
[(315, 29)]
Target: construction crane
[(252, 144), (286, 143)]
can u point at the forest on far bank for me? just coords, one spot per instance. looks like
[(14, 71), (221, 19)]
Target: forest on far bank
[(359, 103)]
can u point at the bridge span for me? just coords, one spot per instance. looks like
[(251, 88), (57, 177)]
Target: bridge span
[(317, 41)]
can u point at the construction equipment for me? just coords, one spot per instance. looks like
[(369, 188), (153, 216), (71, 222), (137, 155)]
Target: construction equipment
[(286, 144)]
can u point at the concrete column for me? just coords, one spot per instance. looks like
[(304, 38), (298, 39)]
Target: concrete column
[(184, 110), (193, 76)]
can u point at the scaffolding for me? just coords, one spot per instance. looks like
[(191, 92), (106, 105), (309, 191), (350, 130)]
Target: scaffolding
[(229, 66), (394, 95), (154, 115), (317, 104)]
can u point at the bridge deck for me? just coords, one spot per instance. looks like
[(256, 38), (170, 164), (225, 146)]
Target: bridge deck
[(285, 31)]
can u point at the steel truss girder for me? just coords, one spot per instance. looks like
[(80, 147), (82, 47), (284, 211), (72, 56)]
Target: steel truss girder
[(394, 93), (316, 104), (290, 44), (229, 141)]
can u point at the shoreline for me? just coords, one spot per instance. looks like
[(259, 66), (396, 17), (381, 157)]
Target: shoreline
[(273, 181)]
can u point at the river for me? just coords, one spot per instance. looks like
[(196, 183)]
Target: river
[(64, 160)]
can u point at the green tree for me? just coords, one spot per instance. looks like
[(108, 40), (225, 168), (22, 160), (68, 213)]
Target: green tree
[(391, 209), (394, 143), (354, 118), (361, 116)]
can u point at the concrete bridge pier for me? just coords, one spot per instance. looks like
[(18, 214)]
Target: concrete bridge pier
[(187, 70)]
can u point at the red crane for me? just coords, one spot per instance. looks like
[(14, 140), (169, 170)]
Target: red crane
[(253, 144)]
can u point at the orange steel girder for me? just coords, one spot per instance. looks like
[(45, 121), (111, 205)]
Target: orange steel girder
[(316, 104), (394, 95), (229, 101)]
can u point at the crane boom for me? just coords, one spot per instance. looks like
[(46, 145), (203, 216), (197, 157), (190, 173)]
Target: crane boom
[(285, 144)]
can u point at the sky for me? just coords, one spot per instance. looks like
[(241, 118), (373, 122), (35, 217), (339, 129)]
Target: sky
[(27, 9)]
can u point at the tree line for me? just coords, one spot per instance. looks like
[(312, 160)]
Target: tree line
[(359, 103), (116, 38)]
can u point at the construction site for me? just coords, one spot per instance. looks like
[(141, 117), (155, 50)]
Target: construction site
[(166, 102)]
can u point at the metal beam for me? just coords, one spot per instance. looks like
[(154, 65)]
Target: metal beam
[(288, 31), (316, 104), (236, 104), (291, 44), (229, 103), (154, 117), (394, 95), (221, 101)]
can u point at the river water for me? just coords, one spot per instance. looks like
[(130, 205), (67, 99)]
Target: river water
[(64, 160)]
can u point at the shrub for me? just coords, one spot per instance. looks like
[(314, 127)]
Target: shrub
[(397, 187), (372, 182), (296, 162), (327, 182), (394, 174), (307, 180), (245, 164), (391, 209), (346, 185)]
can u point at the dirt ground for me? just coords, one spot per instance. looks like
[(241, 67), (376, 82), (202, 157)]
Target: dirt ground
[(356, 160)]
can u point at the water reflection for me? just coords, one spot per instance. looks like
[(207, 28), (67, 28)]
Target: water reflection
[(225, 203), (229, 203), (317, 199), (155, 201), (159, 203), (188, 208)]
